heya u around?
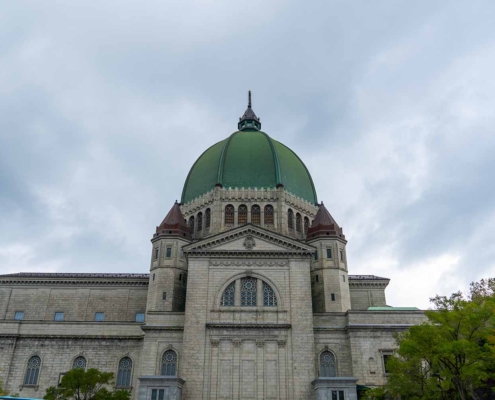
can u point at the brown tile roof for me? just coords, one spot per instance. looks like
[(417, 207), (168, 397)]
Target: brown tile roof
[(173, 224), (324, 225)]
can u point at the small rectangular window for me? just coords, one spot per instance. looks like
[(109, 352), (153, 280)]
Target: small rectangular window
[(316, 255), (169, 252), (385, 361), (316, 278), (164, 296), (139, 317), (329, 253), (59, 316), (181, 253), (180, 277), (153, 276), (333, 296), (341, 255), (341, 395), (19, 315), (334, 395), (99, 317), (343, 278), (156, 253), (157, 394)]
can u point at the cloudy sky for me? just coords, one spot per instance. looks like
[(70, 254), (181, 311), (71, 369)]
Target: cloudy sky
[(104, 107)]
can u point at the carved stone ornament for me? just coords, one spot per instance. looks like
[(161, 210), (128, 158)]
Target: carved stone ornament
[(281, 343), (215, 342), (249, 242), (237, 343), (260, 343)]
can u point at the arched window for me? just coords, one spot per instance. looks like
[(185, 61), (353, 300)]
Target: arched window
[(33, 371), (242, 214), (228, 296), (200, 222), (248, 292), (269, 215), (269, 298), (290, 220), (191, 224), (207, 219), (169, 363), (229, 215), (327, 365), (124, 374), (79, 362), (255, 215), (298, 223), (306, 226)]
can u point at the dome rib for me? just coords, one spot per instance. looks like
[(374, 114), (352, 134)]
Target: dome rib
[(275, 157), (221, 164)]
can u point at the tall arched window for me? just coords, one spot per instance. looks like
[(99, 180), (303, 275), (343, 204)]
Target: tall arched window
[(169, 363), (306, 226), (256, 215), (228, 296), (124, 374), (269, 298), (248, 292), (242, 214), (33, 371), (207, 219), (298, 223), (79, 362), (229, 215), (200, 222), (191, 224), (327, 365), (290, 220), (269, 216)]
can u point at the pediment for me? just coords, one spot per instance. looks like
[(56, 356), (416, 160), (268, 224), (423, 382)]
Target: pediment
[(248, 239)]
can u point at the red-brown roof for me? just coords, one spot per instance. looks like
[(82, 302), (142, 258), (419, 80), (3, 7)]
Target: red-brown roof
[(174, 224), (324, 224)]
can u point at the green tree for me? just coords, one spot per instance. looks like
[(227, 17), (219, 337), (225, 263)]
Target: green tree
[(3, 392), (452, 355), (79, 384)]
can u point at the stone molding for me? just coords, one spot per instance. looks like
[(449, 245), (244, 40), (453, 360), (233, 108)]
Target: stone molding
[(244, 263), (73, 282), (215, 325), (162, 328), (70, 336), (368, 284)]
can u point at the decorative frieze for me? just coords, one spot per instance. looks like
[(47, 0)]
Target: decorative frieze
[(247, 263)]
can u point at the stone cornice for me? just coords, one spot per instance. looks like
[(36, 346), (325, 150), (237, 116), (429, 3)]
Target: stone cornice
[(70, 336), (368, 284), (162, 328), (247, 263), (222, 325), (362, 327), (72, 282)]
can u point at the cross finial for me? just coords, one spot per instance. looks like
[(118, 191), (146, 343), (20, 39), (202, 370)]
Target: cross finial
[(249, 103)]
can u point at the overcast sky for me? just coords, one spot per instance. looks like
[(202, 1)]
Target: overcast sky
[(104, 107)]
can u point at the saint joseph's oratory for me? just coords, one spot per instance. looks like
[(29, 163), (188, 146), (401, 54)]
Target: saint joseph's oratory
[(248, 296)]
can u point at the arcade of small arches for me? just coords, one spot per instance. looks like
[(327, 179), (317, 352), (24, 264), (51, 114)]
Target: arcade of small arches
[(297, 225)]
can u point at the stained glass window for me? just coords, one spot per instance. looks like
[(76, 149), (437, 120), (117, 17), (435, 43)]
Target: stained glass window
[(200, 222), (306, 226), (169, 363), (255, 215), (290, 220), (228, 296), (207, 219), (242, 214), (229, 215), (33, 371), (269, 215), (191, 224), (79, 362), (269, 298), (298, 223), (124, 374), (248, 292), (327, 365)]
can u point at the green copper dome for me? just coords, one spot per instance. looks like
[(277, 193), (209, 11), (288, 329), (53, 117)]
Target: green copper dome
[(249, 158)]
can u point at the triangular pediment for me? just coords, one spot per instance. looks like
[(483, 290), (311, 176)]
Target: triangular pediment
[(249, 239)]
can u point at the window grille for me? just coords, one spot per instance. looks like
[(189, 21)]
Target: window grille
[(33, 371), (79, 362), (248, 292), (19, 315), (306, 226), (269, 216), (255, 215), (229, 215), (99, 317), (228, 296), (59, 316), (242, 214), (290, 220), (298, 223), (269, 298), (169, 363), (124, 374), (207, 219), (139, 317), (191, 224), (200, 222), (327, 365)]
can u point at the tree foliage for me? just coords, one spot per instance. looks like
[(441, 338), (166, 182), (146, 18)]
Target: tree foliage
[(92, 384), (452, 355)]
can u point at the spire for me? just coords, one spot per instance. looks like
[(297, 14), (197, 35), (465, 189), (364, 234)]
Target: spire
[(324, 224), (249, 120), (173, 224)]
